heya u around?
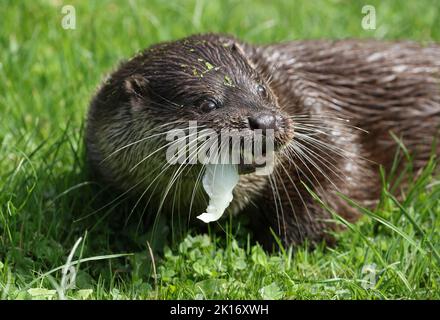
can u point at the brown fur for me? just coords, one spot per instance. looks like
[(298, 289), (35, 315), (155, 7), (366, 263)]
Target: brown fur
[(378, 86)]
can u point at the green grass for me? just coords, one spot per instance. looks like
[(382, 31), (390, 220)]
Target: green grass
[(47, 76)]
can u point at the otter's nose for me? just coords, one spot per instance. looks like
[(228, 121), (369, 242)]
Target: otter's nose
[(263, 121)]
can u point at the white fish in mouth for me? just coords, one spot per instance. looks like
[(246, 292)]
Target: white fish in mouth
[(219, 181)]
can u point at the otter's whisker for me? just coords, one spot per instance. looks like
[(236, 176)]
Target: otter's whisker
[(176, 175), (278, 178), (140, 140), (313, 163), (305, 207), (324, 161), (298, 154), (276, 203), (163, 147)]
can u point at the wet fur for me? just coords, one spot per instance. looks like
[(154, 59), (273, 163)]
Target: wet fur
[(315, 85)]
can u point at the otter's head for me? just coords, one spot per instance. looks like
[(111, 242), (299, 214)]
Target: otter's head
[(207, 79)]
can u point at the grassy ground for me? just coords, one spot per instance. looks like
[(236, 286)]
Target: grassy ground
[(47, 75)]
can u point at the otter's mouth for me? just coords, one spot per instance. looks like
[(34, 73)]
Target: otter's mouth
[(254, 160), (249, 168), (257, 163)]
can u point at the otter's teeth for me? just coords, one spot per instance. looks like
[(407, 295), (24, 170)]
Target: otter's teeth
[(219, 181)]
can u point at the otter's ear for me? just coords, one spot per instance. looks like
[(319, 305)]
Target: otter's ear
[(234, 45), (136, 85), (237, 47)]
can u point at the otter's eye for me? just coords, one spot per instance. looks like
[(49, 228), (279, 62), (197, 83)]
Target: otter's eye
[(261, 90), (208, 105)]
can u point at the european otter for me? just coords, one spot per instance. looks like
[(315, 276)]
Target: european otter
[(332, 105)]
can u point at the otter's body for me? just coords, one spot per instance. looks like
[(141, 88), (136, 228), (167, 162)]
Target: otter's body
[(333, 106)]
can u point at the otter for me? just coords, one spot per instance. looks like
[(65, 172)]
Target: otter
[(336, 109)]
